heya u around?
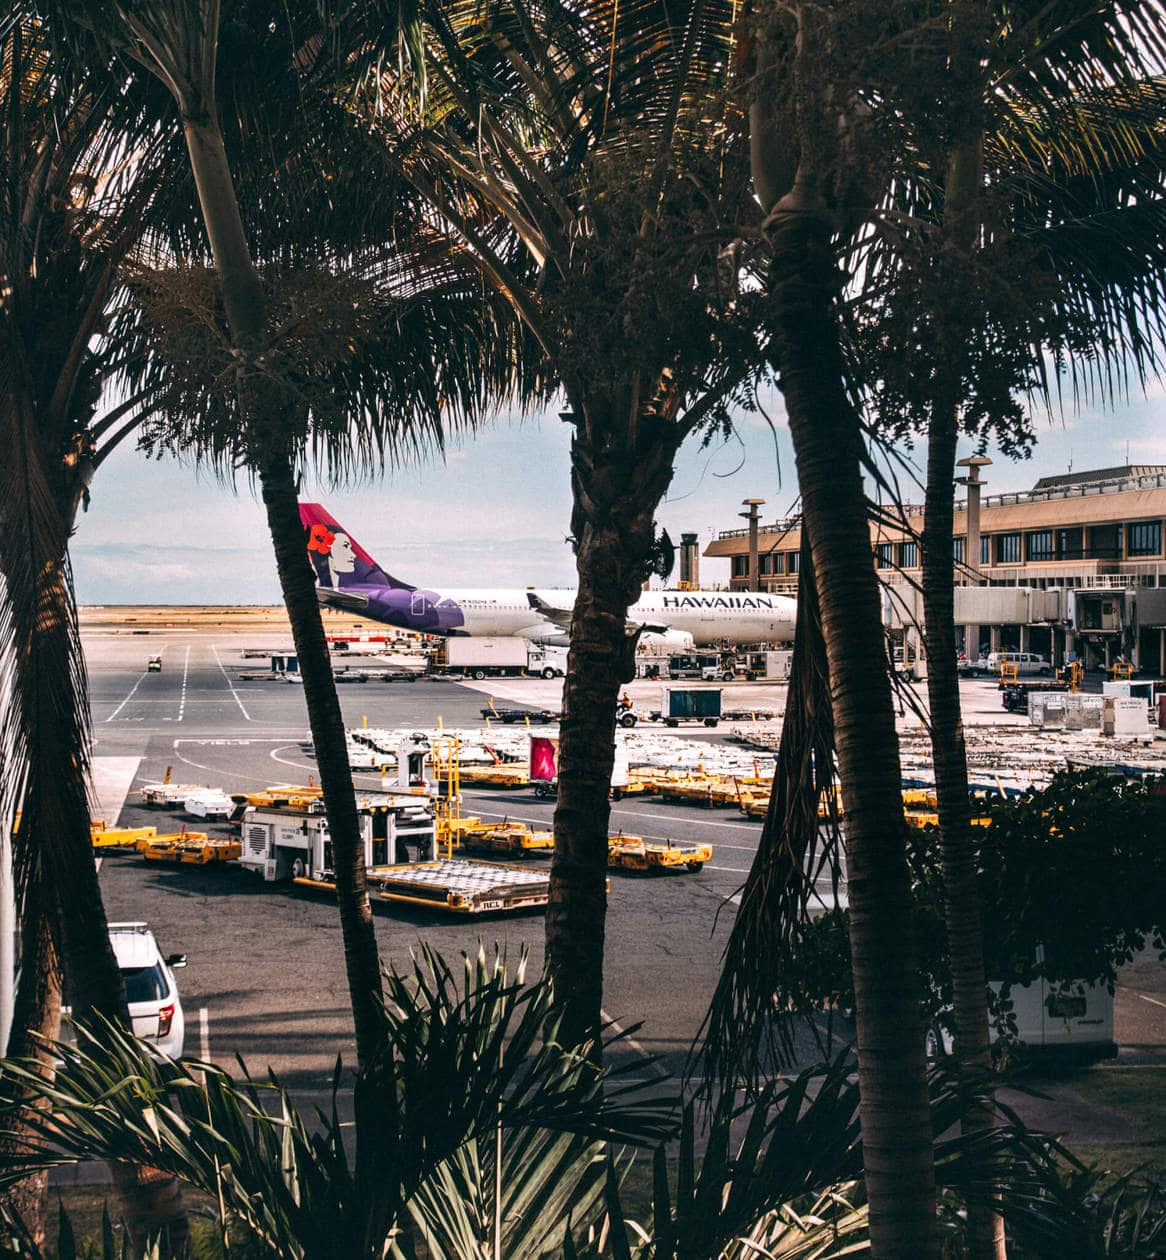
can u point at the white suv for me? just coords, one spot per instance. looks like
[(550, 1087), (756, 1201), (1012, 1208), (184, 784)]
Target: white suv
[(1025, 662), (151, 990)]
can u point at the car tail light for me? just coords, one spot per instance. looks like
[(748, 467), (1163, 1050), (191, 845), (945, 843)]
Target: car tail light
[(165, 1019)]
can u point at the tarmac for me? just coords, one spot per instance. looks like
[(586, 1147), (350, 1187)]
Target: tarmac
[(265, 979)]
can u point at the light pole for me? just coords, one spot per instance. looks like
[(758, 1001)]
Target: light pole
[(753, 517), (974, 485)]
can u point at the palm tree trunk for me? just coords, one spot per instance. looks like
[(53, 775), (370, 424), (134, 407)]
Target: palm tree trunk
[(297, 581), (50, 716), (616, 489), (963, 921), (243, 301), (896, 1129), (36, 1020), (965, 931)]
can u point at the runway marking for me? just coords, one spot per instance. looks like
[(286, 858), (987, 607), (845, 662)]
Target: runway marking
[(295, 765), (230, 684), (628, 1041), (545, 824), (127, 699), (735, 870), (1147, 998), (232, 774), (185, 672), (204, 1034), (704, 822)]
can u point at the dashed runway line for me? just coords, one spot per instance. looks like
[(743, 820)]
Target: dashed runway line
[(185, 672), (204, 1034)]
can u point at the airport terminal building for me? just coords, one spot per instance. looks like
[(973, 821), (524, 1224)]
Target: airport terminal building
[(1073, 568)]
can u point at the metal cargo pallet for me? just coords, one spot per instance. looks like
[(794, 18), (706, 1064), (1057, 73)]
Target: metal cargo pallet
[(462, 886)]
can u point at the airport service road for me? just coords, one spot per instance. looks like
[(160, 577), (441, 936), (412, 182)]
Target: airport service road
[(265, 961)]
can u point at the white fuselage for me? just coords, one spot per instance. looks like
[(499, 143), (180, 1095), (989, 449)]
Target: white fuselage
[(710, 617)]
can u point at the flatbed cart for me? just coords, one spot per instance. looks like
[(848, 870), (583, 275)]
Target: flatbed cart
[(471, 835), (509, 716), (462, 886), (655, 857), (104, 837)]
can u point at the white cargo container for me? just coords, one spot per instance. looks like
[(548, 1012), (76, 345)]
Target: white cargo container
[(208, 803)]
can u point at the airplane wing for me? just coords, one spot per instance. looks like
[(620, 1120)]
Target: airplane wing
[(561, 617), (341, 599)]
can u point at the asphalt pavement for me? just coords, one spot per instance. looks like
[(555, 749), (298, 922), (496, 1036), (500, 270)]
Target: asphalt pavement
[(265, 980)]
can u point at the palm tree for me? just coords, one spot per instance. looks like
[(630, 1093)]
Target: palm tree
[(587, 161), (79, 182), (1043, 239), (264, 330), (815, 191)]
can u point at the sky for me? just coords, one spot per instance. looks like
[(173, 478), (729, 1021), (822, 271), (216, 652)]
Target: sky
[(496, 510)]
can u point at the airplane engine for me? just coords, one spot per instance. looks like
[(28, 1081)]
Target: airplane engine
[(666, 641)]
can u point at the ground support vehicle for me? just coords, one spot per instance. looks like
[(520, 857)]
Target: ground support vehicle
[(690, 704), (471, 835), (292, 841), (104, 837), (634, 853), (485, 656), (167, 795), (544, 767), (462, 886), (209, 803), (510, 716), (154, 665), (1014, 695), (709, 790), (506, 774), (709, 666), (189, 848)]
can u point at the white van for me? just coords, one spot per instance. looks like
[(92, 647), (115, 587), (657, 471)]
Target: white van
[(1025, 662)]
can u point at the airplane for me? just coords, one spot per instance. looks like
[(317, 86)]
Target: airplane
[(347, 577)]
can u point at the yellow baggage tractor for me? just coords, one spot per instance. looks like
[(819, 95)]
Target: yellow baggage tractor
[(474, 836), (191, 848), (752, 802), (118, 837), (634, 853)]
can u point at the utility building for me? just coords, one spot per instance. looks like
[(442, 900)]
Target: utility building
[(1082, 554)]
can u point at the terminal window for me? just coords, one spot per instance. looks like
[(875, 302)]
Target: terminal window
[(957, 549), (795, 561), (986, 550), (1039, 544), (909, 555), (740, 566), (1007, 548), (885, 555), (1071, 544), (1144, 538)]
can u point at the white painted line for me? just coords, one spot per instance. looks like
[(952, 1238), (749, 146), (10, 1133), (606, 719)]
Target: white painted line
[(204, 1034), (735, 870), (1147, 998), (127, 699), (704, 822), (628, 1041), (229, 683), (185, 672), (295, 765)]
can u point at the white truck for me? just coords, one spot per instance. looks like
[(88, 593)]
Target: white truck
[(293, 842), (493, 656)]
